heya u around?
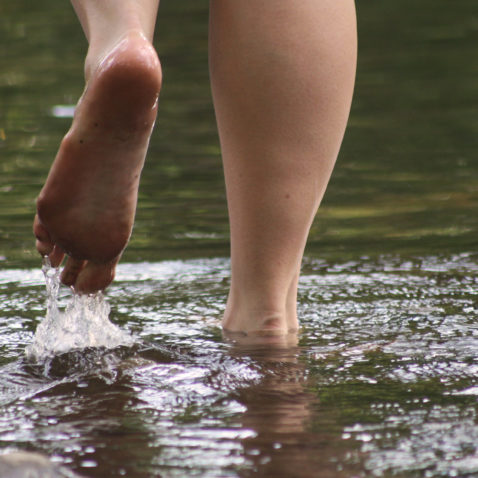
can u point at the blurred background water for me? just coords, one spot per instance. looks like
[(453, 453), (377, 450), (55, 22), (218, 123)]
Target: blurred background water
[(383, 380)]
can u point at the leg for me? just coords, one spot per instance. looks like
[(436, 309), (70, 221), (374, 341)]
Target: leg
[(282, 77), (87, 205)]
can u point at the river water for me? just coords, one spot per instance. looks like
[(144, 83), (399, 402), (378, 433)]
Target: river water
[(383, 378)]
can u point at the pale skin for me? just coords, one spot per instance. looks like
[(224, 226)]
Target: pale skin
[(282, 76)]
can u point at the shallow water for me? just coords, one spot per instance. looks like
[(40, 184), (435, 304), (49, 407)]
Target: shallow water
[(382, 381), (84, 323), (375, 386)]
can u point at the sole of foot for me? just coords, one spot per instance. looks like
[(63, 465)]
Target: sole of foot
[(87, 206)]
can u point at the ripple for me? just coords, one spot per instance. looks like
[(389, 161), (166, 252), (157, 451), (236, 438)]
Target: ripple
[(383, 380)]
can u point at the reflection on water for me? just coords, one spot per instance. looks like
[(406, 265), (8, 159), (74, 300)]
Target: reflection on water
[(382, 381), (406, 180)]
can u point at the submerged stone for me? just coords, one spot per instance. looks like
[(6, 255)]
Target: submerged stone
[(21, 464)]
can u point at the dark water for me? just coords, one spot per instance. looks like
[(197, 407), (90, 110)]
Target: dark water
[(383, 379)]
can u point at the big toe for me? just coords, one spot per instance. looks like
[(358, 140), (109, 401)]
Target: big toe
[(44, 243)]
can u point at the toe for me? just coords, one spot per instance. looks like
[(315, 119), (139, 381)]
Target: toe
[(56, 256), (44, 244), (95, 277), (72, 268)]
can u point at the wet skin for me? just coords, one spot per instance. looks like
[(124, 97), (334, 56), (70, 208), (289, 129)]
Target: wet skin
[(87, 206)]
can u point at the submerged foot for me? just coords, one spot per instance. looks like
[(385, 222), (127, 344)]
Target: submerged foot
[(260, 327), (261, 311), (86, 208)]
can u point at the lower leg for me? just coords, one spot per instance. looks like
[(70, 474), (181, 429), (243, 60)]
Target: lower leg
[(105, 22), (282, 76), (87, 205)]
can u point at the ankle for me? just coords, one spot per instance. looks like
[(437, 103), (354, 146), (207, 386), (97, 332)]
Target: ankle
[(259, 320), (98, 51), (262, 307)]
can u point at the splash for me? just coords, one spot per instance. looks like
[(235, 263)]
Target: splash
[(83, 324)]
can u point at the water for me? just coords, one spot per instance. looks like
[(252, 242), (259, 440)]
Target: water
[(84, 323), (381, 380), (373, 387)]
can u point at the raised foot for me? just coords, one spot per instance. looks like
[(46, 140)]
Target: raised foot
[(86, 208)]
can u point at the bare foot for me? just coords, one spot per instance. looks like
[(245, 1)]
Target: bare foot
[(86, 208), (273, 341), (264, 312), (260, 327)]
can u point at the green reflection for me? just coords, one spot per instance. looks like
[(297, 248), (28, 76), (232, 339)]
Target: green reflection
[(406, 179)]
